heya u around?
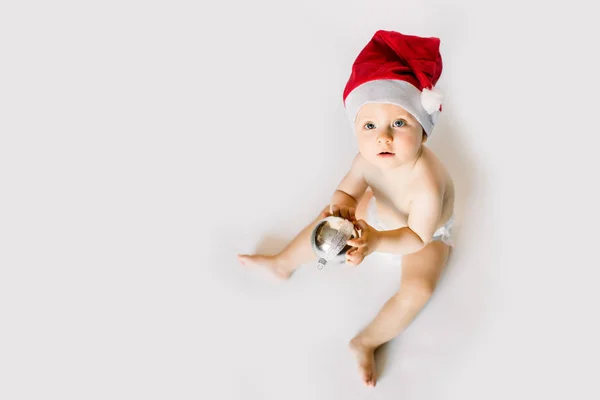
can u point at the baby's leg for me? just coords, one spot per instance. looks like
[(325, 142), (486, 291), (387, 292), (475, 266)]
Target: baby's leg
[(420, 274), (299, 251), (296, 253)]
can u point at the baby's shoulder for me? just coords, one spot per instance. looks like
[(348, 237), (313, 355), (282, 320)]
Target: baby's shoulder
[(359, 161), (360, 166), (430, 174)]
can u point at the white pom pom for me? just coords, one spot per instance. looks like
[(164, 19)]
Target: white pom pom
[(431, 100)]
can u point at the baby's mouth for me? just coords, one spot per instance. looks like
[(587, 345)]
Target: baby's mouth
[(385, 154)]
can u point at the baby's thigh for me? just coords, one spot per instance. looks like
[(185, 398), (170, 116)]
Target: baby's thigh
[(425, 267)]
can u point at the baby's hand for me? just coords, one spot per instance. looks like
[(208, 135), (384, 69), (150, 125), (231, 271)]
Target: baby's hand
[(363, 245), (343, 212)]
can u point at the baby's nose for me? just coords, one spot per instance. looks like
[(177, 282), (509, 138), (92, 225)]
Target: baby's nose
[(384, 138)]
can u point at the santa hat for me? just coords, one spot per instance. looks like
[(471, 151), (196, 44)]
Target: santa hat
[(398, 69)]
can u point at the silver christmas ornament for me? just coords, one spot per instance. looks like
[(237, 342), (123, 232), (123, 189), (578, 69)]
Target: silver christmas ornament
[(329, 239)]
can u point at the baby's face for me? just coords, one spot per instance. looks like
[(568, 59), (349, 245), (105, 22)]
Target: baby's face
[(388, 136)]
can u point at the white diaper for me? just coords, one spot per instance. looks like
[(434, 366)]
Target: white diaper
[(443, 234)]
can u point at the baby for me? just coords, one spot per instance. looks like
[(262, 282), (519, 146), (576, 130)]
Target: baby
[(396, 192)]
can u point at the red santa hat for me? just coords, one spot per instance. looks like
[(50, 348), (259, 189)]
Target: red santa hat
[(398, 69)]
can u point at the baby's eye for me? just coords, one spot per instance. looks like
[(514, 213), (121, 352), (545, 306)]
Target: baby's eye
[(399, 123), (369, 125)]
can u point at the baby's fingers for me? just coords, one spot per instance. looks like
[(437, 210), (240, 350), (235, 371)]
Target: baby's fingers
[(348, 213), (335, 210), (362, 225), (358, 242), (353, 257)]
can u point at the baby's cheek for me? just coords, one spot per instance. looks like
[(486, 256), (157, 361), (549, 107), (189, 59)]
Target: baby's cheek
[(364, 145), (407, 142)]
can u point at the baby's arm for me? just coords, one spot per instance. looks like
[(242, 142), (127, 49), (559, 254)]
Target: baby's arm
[(350, 190), (423, 218)]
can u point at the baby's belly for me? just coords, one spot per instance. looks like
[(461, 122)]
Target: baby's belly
[(390, 215)]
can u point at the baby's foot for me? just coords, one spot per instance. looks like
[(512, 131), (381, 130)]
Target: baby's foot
[(269, 263), (366, 361)]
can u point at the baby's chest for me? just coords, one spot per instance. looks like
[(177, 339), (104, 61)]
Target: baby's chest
[(394, 198)]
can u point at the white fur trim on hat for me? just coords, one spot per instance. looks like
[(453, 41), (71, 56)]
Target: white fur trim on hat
[(424, 106)]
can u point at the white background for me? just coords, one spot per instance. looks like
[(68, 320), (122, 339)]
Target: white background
[(144, 144)]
